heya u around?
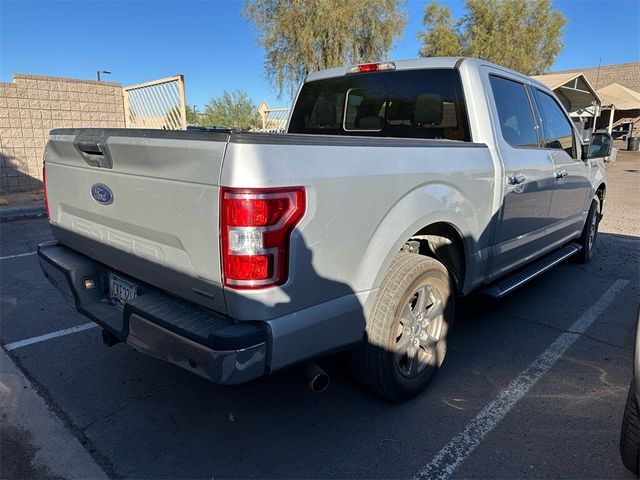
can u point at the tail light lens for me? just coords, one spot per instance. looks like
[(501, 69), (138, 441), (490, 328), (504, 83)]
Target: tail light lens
[(255, 227), (44, 187)]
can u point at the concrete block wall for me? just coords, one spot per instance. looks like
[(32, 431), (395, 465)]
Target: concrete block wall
[(32, 105)]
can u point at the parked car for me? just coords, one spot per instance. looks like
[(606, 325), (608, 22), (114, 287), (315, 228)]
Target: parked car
[(630, 431), (398, 187)]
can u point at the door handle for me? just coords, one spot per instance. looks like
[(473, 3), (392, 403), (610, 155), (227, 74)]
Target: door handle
[(516, 179), (560, 174)]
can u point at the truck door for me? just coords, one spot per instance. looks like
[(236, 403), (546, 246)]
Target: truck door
[(572, 186), (527, 177)]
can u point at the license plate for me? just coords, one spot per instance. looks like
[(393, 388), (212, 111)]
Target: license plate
[(121, 290)]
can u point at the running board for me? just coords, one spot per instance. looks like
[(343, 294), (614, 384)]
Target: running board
[(508, 284)]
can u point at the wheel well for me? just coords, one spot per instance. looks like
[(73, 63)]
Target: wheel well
[(443, 242)]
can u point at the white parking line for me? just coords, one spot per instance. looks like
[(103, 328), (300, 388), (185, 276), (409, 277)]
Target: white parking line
[(17, 256), (444, 464), (49, 336)]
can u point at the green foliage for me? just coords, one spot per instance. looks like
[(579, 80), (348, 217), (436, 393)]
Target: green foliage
[(234, 110), (301, 36), (193, 118), (441, 39), (525, 35)]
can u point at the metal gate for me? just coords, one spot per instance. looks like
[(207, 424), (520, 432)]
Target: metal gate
[(157, 104), (274, 120)]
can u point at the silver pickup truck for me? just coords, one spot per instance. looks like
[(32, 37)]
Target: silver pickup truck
[(398, 187)]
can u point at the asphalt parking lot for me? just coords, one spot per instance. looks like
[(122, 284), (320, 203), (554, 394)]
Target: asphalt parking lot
[(142, 418)]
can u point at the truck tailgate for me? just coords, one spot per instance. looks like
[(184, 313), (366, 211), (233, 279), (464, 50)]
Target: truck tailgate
[(142, 202)]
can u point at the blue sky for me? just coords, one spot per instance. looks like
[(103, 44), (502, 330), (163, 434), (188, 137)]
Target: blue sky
[(214, 47)]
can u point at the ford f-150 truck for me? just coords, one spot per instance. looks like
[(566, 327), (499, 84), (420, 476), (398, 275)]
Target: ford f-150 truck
[(398, 187)]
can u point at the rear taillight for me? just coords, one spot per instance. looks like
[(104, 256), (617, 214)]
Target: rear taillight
[(44, 188), (255, 226)]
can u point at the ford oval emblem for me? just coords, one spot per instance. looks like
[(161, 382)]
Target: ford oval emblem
[(102, 194)]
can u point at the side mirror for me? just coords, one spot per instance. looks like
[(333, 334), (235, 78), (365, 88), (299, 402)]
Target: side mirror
[(599, 146)]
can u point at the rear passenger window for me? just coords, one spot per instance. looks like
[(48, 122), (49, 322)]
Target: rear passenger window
[(514, 112), (556, 128)]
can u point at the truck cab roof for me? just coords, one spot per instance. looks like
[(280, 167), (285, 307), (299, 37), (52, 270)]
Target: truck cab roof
[(423, 63)]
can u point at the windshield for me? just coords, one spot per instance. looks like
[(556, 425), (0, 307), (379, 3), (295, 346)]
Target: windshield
[(408, 104)]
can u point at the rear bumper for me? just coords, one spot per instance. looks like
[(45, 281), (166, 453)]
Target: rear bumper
[(157, 324)]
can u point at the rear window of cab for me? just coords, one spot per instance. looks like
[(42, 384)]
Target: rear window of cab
[(406, 104)]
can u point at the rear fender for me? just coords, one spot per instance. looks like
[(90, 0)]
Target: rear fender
[(418, 209)]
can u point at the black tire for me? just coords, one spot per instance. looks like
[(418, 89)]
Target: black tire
[(630, 433), (413, 310), (589, 233)]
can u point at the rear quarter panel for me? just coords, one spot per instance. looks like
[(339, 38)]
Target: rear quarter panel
[(365, 198)]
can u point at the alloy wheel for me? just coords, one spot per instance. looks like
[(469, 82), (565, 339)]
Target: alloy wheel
[(418, 332)]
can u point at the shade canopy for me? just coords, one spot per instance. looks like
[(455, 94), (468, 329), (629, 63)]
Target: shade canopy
[(619, 97), (573, 90)]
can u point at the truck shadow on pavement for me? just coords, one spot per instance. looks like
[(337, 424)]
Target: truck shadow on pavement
[(271, 427)]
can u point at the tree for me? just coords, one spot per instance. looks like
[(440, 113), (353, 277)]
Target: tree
[(234, 110), (524, 35), (192, 116), (302, 36)]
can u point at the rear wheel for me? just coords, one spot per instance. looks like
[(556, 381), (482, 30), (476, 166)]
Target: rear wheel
[(406, 334), (630, 433)]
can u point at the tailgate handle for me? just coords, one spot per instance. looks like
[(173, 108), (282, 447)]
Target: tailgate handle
[(94, 151)]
